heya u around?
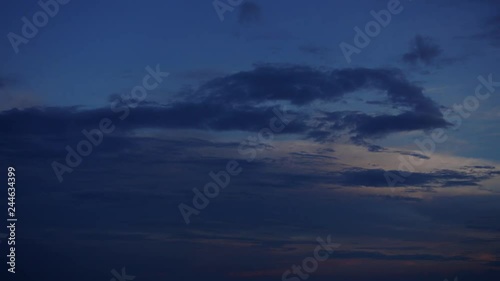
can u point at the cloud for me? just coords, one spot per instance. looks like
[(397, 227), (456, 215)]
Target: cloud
[(414, 154), (301, 85), (249, 12), (365, 126), (480, 167), (244, 101), (305, 156), (439, 178), (360, 177), (71, 120), (423, 50), (382, 256), (490, 31), (15, 98)]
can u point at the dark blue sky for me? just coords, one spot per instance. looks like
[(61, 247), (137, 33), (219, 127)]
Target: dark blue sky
[(166, 93)]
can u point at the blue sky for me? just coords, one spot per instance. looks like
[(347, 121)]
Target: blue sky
[(323, 174)]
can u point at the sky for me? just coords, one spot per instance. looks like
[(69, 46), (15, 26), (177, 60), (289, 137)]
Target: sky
[(251, 140)]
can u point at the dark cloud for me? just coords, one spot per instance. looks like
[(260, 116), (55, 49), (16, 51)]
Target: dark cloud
[(320, 136), (414, 154), (249, 12), (490, 31), (396, 198), (480, 167), (234, 102), (302, 85), (359, 140), (71, 120), (377, 178), (360, 177), (244, 101), (423, 50), (305, 158), (382, 256), (109, 193), (305, 155), (366, 126)]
